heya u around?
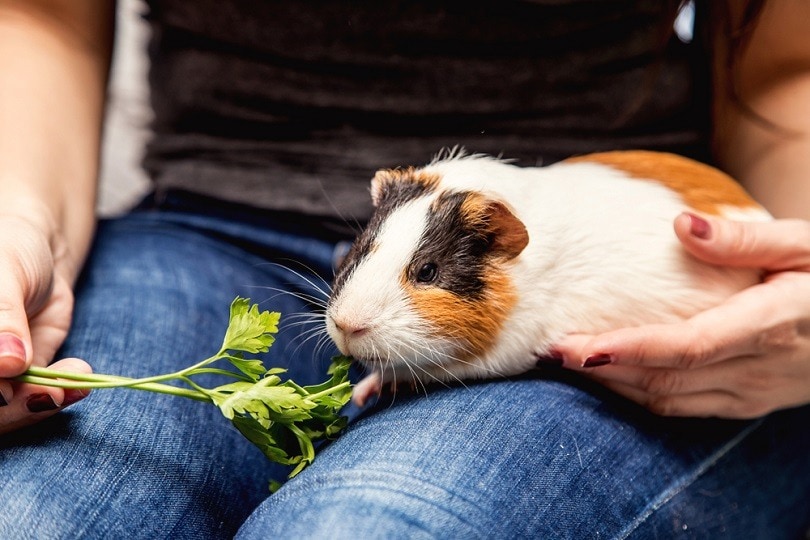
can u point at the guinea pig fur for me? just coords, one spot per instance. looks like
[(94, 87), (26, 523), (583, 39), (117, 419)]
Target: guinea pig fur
[(471, 267)]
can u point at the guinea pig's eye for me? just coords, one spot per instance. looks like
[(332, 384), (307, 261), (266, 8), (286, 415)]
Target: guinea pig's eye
[(427, 273)]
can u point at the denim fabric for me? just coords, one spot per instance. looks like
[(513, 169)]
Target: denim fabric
[(545, 456)]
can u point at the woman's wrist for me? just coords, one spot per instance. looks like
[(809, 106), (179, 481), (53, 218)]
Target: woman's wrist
[(66, 230)]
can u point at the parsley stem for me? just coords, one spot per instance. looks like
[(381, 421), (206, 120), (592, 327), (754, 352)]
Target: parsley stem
[(329, 391), (49, 377)]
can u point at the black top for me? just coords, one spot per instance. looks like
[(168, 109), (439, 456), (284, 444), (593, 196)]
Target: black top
[(294, 104)]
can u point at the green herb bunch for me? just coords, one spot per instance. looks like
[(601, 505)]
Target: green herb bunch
[(280, 417)]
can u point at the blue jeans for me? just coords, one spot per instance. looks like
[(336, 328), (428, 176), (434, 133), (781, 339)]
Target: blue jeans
[(543, 456)]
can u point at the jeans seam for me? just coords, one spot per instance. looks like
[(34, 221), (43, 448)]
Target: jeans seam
[(687, 480)]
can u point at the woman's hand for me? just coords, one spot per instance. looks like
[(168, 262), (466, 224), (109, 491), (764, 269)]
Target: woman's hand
[(36, 303), (743, 359)]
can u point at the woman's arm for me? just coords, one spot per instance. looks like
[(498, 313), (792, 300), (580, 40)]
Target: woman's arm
[(765, 144), (54, 58)]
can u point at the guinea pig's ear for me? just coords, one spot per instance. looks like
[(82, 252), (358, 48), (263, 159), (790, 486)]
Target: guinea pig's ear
[(508, 235), (382, 179), (406, 183)]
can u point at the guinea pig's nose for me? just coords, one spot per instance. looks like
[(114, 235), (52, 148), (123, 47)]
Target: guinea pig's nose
[(351, 330)]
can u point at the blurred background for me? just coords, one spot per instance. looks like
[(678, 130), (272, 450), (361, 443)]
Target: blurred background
[(123, 181), (128, 115)]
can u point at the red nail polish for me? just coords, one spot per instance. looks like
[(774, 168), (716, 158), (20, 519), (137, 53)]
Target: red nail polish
[(597, 360), (40, 403), (72, 396), (699, 227)]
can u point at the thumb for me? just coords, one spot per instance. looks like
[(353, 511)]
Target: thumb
[(776, 245), (15, 336)]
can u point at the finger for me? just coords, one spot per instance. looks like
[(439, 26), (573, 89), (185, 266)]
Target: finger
[(6, 392), (665, 382), (750, 323), (698, 405), (32, 403), (771, 245), (14, 355), (50, 325), (572, 350), (675, 346), (73, 365), (15, 338)]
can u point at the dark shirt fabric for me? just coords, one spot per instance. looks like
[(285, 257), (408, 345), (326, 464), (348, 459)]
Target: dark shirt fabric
[(293, 105)]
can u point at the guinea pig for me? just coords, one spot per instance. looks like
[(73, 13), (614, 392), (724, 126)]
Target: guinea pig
[(472, 267)]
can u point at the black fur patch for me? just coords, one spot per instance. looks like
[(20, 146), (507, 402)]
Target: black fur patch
[(455, 246)]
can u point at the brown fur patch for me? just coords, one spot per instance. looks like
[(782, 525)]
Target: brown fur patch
[(384, 178), (475, 324), (701, 186)]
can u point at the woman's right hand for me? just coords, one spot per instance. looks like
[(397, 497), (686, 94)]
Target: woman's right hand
[(36, 303)]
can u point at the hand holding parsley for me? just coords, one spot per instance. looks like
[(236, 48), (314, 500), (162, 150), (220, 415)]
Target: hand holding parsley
[(280, 417)]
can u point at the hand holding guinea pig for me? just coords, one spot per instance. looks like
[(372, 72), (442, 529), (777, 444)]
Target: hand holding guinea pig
[(471, 267), (742, 359)]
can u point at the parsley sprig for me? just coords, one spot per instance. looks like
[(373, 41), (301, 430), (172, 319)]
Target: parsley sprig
[(280, 417)]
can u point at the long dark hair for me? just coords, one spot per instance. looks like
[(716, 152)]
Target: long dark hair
[(738, 33)]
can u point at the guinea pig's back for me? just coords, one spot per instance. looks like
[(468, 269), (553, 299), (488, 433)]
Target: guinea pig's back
[(700, 187)]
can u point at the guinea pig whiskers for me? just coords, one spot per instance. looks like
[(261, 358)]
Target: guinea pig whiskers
[(313, 328), (429, 359), (304, 297), (465, 351), (468, 352), (306, 319), (414, 377), (312, 293), (323, 288), (327, 287)]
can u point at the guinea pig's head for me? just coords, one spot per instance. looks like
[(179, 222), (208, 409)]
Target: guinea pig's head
[(425, 288)]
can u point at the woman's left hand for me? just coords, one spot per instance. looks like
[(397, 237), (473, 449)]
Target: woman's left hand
[(742, 359)]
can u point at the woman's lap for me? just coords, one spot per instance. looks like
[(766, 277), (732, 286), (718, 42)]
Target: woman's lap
[(531, 457), (544, 458)]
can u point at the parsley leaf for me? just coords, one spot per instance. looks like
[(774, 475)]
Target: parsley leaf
[(280, 417)]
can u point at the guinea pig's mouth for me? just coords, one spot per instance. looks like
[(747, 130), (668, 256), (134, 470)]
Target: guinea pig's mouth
[(369, 360)]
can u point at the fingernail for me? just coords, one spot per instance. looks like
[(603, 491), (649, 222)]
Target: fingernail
[(72, 396), (699, 227), (40, 403), (12, 348), (552, 358), (597, 360)]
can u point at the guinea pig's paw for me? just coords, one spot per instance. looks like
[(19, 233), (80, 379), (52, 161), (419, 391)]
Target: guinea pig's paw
[(367, 387)]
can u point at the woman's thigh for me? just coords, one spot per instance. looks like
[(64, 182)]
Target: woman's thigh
[(540, 458), (125, 464)]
